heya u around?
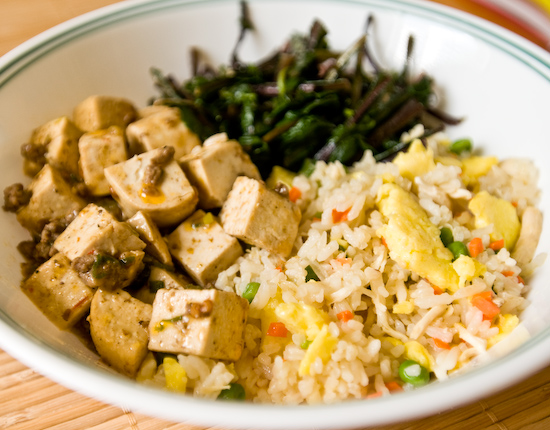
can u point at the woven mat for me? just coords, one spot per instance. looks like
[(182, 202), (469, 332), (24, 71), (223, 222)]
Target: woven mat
[(31, 401)]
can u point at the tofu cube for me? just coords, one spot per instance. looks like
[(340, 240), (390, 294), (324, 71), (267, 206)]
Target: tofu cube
[(100, 112), (214, 168), (173, 200), (95, 230), (209, 323), (201, 246), (119, 327), (60, 136), (159, 128), (98, 150), (57, 290), (150, 234), (52, 198), (260, 216)]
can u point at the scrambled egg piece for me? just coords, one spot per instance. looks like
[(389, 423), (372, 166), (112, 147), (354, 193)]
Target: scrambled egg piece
[(302, 318), (176, 377), (404, 307), (417, 352), (505, 323), (417, 161), (413, 240), (322, 346), (468, 268), (499, 212), (269, 316), (475, 167)]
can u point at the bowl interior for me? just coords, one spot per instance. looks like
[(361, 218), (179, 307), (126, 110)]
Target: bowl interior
[(499, 83)]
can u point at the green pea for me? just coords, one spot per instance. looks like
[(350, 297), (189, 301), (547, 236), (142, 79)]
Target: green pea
[(461, 145), (305, 344), (234, 392), (446, 236), (251, 290), (458, 249), (413, 373)]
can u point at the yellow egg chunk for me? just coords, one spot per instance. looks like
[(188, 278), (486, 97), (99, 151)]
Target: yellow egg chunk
[(505, 323), (468, 268), (302, 318), (412, 239), (176, 377), (488, 209), (417, 352), (322, 347), (475, 167), (405, 307), (416, 161)]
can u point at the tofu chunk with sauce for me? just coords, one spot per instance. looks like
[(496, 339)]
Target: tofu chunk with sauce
[(208, 323), (150, 234), (96, 230), (60, 137), (52, 198), (167, 202), (101, 112), (214, 168), (119, 327), (160, 127), (98, 150), (202, 247), (57, 290), (260, 216)]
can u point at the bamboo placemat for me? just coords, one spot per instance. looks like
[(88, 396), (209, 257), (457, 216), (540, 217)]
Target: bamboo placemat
[(29, 401)]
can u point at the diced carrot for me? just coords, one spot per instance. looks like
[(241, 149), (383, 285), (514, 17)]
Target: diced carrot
[(497, 245), (344, 260), (383, 242), (483, 302), (375, 395), (294, 194), (520, 280), (440, 344), (515, 204), (394, 386), (280, 269), (437, 290), (345, 316), (340, 216), (277, 329), (508, 273), (475, 247)]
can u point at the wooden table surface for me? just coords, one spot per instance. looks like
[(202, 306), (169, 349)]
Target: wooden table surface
[(31, 401)]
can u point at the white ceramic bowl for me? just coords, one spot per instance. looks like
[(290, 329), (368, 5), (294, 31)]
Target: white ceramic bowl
[(500, 82)]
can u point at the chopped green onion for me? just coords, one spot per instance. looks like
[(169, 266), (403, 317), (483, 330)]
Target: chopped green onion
[(100, 268), (310, 274), (342, 244), (458, 249), (161, 325), (154, 286), (413, 373), (234, 392), (446, 236), (251, 290), (460, 146)]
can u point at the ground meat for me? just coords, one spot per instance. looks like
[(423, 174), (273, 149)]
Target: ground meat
[(33, 260), (200, 310), (50, 232), (34, 152), (83, 264), (15, 196), (166, 154), (152, 175)]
